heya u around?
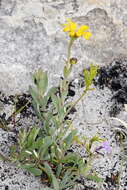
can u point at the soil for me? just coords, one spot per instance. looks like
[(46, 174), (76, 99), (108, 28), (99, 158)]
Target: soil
[(114, 76)]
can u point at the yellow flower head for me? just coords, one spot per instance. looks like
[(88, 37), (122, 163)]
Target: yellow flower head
[(87, 35), (74, 31), (70, 26)]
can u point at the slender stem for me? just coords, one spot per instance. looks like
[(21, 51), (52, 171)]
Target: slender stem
[(69, 49), (16, 112), (76, 102), (64, 85), (43, 169)]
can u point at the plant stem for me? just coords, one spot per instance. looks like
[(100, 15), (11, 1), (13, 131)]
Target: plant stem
[(64, 84), (76, 102), (69, 50)]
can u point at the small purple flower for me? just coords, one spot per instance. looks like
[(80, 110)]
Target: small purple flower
[(106, 146)]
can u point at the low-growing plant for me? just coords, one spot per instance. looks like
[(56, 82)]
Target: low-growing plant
[(46, 150)]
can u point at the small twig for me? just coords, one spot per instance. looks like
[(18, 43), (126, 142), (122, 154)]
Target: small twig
[(76, 102), (15, 113)]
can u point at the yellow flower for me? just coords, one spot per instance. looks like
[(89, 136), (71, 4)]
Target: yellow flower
[(87, 35), (74, 31), (70, 27), (81, 30)]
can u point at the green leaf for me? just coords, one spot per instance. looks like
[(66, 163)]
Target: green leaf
[(70, 158), (66, 71), (87, 78), (27, 166), (88, 146), (35, 171), (41, 81), (96, 139), (56, 122), (43, 102), (47, 122), (64, 89), (55, 183), (34, 94), (58, 106), (85, 170), (58, 170), (62, 113), (32, 169), (22, 140), (95, 178), (93, 71), (32, 136), (89, 75), (36, 101), (51, 91), (91, 141), (69, 139), (68, 180), (48, 170), (55, 101), (53, 152), (46, 143), (51, 176)]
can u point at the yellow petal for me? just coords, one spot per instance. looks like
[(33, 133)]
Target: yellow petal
[(83, 28), (70, 26), (66, 29), (73, 26), (87, 35), (79, 33)]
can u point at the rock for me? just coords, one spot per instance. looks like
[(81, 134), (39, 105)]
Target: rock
[(10, 79), (31, 36)]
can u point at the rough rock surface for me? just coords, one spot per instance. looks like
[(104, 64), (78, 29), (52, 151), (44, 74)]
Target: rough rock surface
[(31, 38)]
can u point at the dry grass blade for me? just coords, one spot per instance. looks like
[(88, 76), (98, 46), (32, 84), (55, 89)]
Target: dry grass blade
[(122, 122)]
